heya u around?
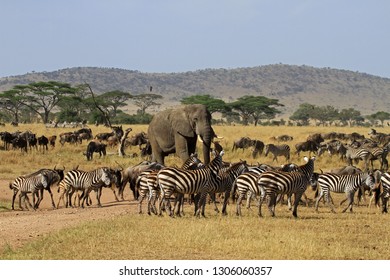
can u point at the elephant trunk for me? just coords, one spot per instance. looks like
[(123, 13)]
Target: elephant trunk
[(206, 137)]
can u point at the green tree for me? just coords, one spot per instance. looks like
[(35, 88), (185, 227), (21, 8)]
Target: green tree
[(112, 100), (146, 100), (325, 114), (349, 116), (43, 97), (213, 104), (10, 102), (304, 113), (255, 107), (380, 116)]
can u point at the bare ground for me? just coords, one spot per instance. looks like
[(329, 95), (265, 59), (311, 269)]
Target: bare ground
[(20, 227)]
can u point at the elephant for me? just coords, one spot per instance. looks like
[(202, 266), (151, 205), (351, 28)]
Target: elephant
[(176, 130)]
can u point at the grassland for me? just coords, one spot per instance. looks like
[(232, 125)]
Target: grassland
[(362, 234)]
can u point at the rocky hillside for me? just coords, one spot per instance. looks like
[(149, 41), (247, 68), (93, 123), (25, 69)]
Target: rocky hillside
[(292, 85)]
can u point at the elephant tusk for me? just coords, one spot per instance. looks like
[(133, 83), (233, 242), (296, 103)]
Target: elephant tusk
[(200, 139)]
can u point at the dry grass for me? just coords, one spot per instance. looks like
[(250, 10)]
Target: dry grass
[(362, 234)]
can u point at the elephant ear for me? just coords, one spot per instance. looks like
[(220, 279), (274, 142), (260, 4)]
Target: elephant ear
[(181, 123)]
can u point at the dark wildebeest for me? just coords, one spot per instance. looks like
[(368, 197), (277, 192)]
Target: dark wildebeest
[(137, 140), (95, 147), (242, 143), (258, 148), (43, 141), (307, 146)]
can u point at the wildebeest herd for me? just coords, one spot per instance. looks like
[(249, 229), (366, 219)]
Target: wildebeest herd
[(218, 179)]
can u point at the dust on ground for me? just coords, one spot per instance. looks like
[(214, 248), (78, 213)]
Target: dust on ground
[(20, 227)]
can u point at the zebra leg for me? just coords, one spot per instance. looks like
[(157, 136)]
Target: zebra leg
[(98, 195), (350, 201), (225, 202), (260, 202), (213, 198), (296, 203), (238, 206), (13, 198), (201, 204), (271, 204), (52, 199), (140, 199)]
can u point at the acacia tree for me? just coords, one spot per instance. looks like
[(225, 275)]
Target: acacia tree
[(381, 116), (256, 107), (303, 114), (146, 100), (9, 101), (350, 116), (213, 104), (112, 100), (42, 97)]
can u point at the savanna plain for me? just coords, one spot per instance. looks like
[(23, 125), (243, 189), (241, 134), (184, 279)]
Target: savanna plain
[(116, 231)]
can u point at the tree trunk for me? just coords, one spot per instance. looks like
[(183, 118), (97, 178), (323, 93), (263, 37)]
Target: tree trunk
[(121, 149)]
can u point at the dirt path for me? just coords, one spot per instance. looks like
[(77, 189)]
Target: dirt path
[(20, 227)]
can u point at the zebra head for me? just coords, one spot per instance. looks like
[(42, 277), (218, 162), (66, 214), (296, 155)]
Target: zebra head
[(106, 176), (216, 164), (373, 180)]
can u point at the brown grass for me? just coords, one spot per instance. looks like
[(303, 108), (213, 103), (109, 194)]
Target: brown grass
[(362, 234)]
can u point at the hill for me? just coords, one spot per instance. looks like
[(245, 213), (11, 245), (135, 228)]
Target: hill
[(291, 84)]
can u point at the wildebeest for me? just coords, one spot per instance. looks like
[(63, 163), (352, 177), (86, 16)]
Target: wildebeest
[(242, 143), (43, 141), (137, 139), (258, 148), (95, 147), (307, 146)]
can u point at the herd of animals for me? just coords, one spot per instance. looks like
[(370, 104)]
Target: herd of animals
[(261, 183)]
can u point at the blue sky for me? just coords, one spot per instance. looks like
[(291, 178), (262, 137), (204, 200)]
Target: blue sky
[(187, 35)]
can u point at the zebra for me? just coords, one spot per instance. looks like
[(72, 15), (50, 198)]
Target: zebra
[(357, 154), (382, 190), (245, 185), (348, 184), (53, 176), (278, 150), (224, 183), (86, 182), (277, 183), (173, 179), (146, 183), (28, 184)]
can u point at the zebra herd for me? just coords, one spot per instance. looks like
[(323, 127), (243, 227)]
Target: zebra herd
[(263, 183)]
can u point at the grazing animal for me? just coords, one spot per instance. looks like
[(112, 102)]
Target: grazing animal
[(277, 183), (307, 146), (146, 184), (27, 184), (43, 141), (242, 143), (278, 150), (224, 183), (95, 147), (173, 180), (348, 184), (86, 182)]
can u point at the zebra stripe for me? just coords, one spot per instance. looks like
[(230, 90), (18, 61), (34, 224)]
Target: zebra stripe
[(173, 179), (357, 154), (278, 150), (381, 190), (146, 183), (225, 182), (281, 182), (348, 184), (86, 182), (27, 184), (54, 176)]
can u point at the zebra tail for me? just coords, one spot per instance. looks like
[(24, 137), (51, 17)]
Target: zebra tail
[(10, 186)]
